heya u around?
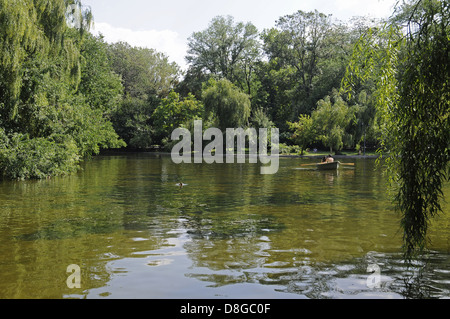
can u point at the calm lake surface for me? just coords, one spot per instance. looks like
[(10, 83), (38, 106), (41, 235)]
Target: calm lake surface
[(228, 233)]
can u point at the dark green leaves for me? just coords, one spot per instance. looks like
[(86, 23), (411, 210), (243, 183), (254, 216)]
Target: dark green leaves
[(423, 117), (411, 69)]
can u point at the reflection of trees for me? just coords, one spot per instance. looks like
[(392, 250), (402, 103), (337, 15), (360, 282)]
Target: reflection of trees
[(91, 218), (313, 226), (84, 219), (293, 230)]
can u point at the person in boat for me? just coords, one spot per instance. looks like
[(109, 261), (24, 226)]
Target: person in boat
[(330, 159), (324, 159)]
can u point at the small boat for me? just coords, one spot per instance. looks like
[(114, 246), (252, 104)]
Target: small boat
[(328, 166)]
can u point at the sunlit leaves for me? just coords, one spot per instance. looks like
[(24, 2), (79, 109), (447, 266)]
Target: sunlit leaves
[(330, 120), (47, 122), (226, 49), (229, 104), (145, 72), (303, 131), (173, 112)]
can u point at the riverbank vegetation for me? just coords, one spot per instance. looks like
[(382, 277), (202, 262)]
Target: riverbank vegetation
[(67, 94), (327, 84)]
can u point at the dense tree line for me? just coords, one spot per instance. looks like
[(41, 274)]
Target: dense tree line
[(65, 89), (238, 76), (289, 73), (66, 94)]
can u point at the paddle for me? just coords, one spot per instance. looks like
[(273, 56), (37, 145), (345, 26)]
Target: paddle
[(309, 164)]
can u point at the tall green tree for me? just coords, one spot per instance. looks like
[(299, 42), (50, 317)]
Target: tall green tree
[(422, 117), (298, 41), (275, 93), (145, 73), (101, 86), (364, 128), (147, 77), (227, 50), (303, 131), (307, 57), (330, 121), (34, 41)]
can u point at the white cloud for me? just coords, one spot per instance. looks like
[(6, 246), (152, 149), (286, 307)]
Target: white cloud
[(373, 8), (165, 41)]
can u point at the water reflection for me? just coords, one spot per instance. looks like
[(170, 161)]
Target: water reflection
[(229, 232)]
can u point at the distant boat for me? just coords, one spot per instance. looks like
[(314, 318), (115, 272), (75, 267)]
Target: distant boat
[(328, 166)]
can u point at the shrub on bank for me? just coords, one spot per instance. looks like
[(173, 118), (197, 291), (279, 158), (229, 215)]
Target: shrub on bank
[(22, 157)]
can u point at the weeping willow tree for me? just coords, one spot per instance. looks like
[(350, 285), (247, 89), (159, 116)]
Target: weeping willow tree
[(46, 124), (409, 62), (35, 32)]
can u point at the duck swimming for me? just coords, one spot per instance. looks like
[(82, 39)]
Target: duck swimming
[(180, 184)]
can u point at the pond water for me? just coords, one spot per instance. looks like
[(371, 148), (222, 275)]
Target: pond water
[(229, 232)]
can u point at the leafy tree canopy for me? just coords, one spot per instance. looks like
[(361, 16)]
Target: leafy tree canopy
[(48, 121), (229, 104), (223, 46)]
